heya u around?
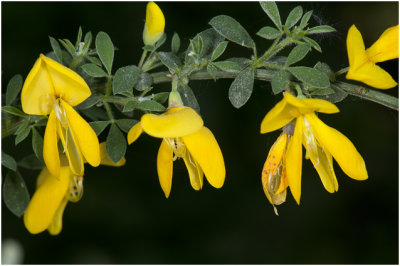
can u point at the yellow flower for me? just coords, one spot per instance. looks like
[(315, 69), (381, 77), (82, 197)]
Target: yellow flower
[(184, 136), (362, 62), (320, 141), (46, 208), (155, 24), (51, 88), (274, 179)]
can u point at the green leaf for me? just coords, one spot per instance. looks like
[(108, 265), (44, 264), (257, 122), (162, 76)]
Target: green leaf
[(99, 126), (105, 50), (211, 40), (338, 95), (320, 29), (130, 106), (68, 46), (57, 49), (116, 144), (160, 42), (94, 71), (298, 53), (14, 86), (268, 33), (94, 60), (175, 43), (232, 30), (126, 124), (212, 70), (22, 135), (305, 18), (15, 193), (13, 111), (219, 50), (294, 16), (144, 82), (8, 161), (326, 70), (188, 97), (150, 105), (31, 162), (79, 38), (242, 87), (161, 97), (89, 102), (272, 11), (170, 60), (322, 91), (227, 66), (279, 82), (125, 78), (22, 127), (37, 144), (88, 37), (197, 44), (310, 76), (313, 43)]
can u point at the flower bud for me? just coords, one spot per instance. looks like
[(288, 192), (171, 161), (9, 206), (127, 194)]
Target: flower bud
[(155, 24)]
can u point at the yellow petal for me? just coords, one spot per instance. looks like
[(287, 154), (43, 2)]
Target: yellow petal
[(67, 84), (372, 75), (84, 134), (164, 167), (176, 122), (106, 160), (50, 148), (38, 95), (311, 105), (280, 115), (294, 160), (46, 201), (320, 158), (355, 48), (135, 132), (56, 225), (155, 24), (194, 171), (386, 47), (71, 148), (340, 147), (204, 148)]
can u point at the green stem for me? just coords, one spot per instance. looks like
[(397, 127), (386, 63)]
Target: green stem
[(109, 112), (108, 92), (142, 58), (267, 75)]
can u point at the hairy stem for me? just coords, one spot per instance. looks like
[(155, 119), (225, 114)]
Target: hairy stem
[(267, 75)]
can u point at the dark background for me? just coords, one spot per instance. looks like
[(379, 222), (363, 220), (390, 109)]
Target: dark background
[(124, 217)]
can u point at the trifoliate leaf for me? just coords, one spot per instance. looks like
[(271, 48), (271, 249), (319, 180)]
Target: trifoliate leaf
[(105, 50), (57, 49), (227, 66), (144, 82), (130, 106), (14, 86), (125, 78), (229, 28), (31, 162), (22, 135), (89, 102), (241, 87), (271, 9), (188, 97), (170, 60), (212, 70), (313, 43), (161, 97), (116, 144), (15, 193), (305, 18)]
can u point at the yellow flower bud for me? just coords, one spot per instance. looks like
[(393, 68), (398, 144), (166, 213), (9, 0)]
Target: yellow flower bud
[(155, 24)]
